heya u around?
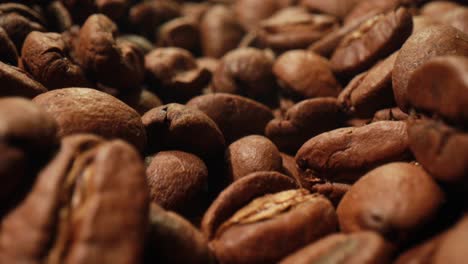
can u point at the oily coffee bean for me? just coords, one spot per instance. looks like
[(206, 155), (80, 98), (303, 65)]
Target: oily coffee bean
[(83, 110), (175, 126), (236, 116), (374, 202), (174, 74), (375, 39), (176, 179), (294, 28), (116, 64), (265, 223), (303, 121), (220, 31), (251, 154), (345, 154), (241, 192), (439, 86), (16, 82), (304, 74), (247, 72), (169, 234), (442, 150), (437, 40), (359, 247), (44, 56), (82, 202)]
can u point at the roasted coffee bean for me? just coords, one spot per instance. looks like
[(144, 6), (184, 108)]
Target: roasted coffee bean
[(170, 233), (370, 91), (27, 135), (339, 8), (174, 74), (247, 72), (139, 41), (251, 12), (8, 53), (440, 86), (146, 16), (220, 31), (241, 192), (303, 121), (442, 150), (116, 64), (211, 64), (251, 154), (182, 33), (18, 21), (175, 126), (294, 28), (375, 202), (390, 114), (295, 216), (44, 56), (355, 248), (451, 249), (437, 8), (194, 10), (375, 39), (83, 110), (58, 16), (303, 74), (82, 202), (16, 82), (177, 180), (364, 7), (346, 154), (114, 9), (457, 18), (423, 253), (425, 44), (236, 116), (142, 101)]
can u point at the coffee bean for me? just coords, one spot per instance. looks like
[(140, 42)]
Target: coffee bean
[(16, 82), (374, 202), (182, 33)]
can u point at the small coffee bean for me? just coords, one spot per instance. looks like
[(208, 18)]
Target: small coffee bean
[(182, 33)]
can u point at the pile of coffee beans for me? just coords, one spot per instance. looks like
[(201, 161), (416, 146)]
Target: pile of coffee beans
[(233, 131)]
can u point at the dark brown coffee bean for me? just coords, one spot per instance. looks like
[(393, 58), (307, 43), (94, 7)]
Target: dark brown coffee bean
[(177, 180), (44, 56), (451, 248), (247, 72), (356, 248), (83, 110), (146, 16), (114, 9), (294, 28), (80, 10), (172, 239), (58, 16), (422, 253), (18, 21), (442, 150), (251, 12), (27, 133), (138, 41), (327, 44), (331, 190), (338, 8), (289, 166), (241, 192), (180, 32), (16, 82), (375, 39), (142, 101), (440, 86), (236, 116), (303, 121), (116, 64), (390, 114), (81, 203), (345, 154), (364, 7), (8, 53), (175, 126), (295, 216), (251, 154), (304, 74), (369, 92), (375, 202), (425, 44), (174, 74)]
